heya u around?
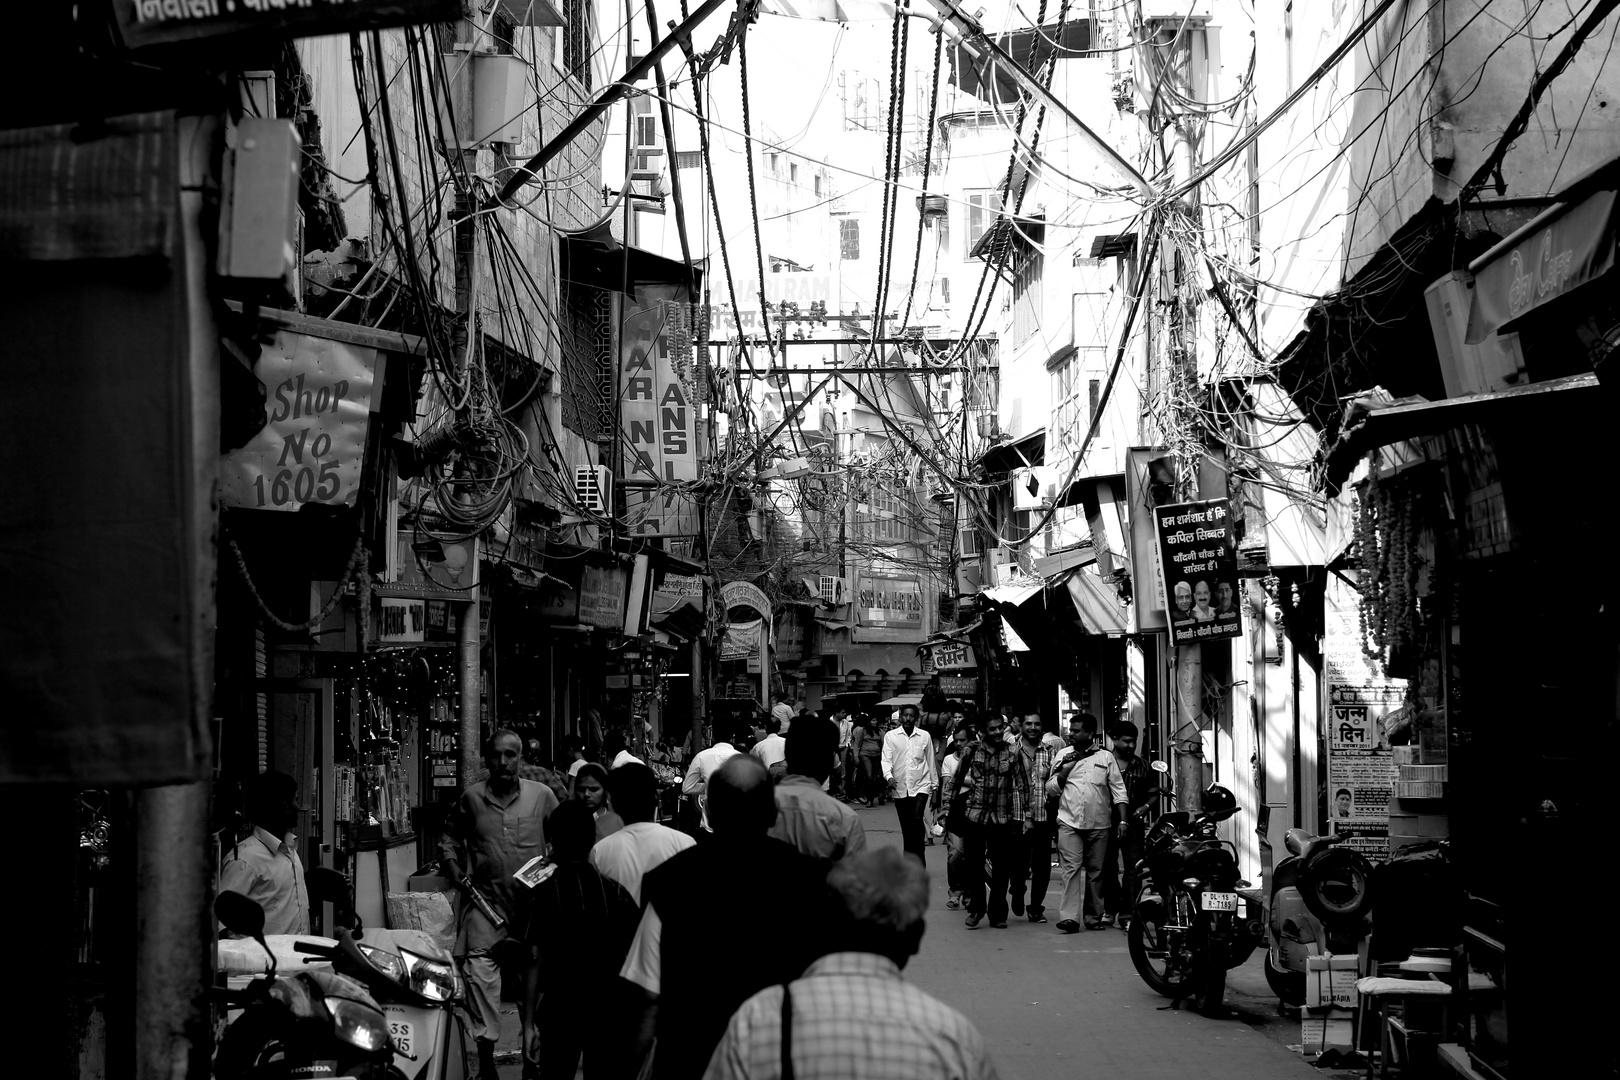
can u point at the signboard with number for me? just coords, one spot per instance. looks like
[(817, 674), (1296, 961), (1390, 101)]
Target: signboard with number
[(159, 22), (889, 609), (318, 402)]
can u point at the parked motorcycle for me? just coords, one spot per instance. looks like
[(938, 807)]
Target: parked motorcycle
[(1319, 902), (1186, 928), (312, 1023)]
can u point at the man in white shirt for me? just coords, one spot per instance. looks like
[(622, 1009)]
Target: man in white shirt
[(265, 866), (698, 774), (1092, 800), (908, 765), (772, 749), (843, 775), (782, 712), (617, 751), (627, 855)]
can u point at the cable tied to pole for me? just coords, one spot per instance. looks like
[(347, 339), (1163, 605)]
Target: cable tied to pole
[(358, 569)]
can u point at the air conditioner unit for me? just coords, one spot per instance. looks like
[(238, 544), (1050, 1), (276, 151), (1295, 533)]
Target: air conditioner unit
[(1007, 573), (1493, 364), (1034, 488), (593, 487), (969, 578), (967, 542), (831, 589)]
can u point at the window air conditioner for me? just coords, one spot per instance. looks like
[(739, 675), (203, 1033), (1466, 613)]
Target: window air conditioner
[(593, 487)]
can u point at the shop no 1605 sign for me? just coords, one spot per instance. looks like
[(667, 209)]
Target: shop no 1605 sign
[(318, 401)]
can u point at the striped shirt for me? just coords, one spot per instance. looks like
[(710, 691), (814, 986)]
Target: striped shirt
[(996, 783), (1039, 766), (854, 1018)]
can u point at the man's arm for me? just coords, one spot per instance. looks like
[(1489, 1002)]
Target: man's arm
[(888, 756), (450, 847), (694, 779), (856, 840), (1116, 789), (641, 980)]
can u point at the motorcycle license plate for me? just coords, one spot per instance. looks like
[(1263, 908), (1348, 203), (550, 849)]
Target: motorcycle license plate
[(401, 1031), (1219, 901)]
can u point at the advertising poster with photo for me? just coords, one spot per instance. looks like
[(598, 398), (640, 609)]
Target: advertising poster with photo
[(1360, 766), (1198, 561)]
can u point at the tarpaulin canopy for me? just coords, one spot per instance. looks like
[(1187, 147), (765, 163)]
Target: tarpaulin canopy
[(1097, 604)]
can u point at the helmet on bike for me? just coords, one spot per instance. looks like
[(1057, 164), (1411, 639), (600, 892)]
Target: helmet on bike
[(1219, 803)]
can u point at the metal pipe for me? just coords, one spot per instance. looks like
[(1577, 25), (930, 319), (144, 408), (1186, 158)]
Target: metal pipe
[(173, 931)]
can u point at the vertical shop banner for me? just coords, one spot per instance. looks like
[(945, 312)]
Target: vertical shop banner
[(1360, 766), (889, 609), (1198, 561), (658, 418), (318, 400), (602, 592)]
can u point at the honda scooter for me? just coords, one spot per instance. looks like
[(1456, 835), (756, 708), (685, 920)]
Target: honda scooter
[(1319, 902)]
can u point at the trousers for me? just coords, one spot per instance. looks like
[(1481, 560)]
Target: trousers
[(910, 811), (1081, 852), (1034, 866), (1000, 845), (483, 978)]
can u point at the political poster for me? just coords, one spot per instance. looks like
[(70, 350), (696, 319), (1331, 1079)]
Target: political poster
[(1198, 561), (1360, 766)]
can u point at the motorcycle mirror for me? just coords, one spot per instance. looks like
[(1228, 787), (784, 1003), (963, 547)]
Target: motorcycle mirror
[(1158, 766), (327, 886), (242, 915)]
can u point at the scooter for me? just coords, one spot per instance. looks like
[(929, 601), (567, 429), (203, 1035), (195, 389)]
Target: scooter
[(1319, 901), (310, 1024)]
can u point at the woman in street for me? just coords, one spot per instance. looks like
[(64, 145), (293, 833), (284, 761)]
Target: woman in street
[(869, 750), (955, 881), (590, 788)]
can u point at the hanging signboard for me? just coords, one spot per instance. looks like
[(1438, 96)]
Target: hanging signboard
[(601, 596), (318, 403), (951, 656), (889, 609), (158, 22), (432, 569), (742, 640), (734, 594), (1198, 561), (1360, 765), (401, 619), (959, 685), (658, 418), (675, 590)]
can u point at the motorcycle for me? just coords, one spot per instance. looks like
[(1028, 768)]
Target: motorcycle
[(311, 1024), (1186, 931), (1319, 901)]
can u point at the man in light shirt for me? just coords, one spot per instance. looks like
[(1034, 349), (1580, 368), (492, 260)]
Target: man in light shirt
[(265, 866), (772, 749), (698, 773), (908, 765), (617, 750), (1091, 801), (627, 855)]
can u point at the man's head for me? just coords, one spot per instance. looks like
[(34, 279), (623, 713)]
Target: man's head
[(503, 756), (811, 744), (614, 744), (908, 718), (571, 828), (1341, 802), (880, 900), (1125, 739), (1184, 597), (270, 801), (995, 728), (634, 790), (740, 800), (1032, 727), (1201, 594), (1082, 731), (962, 736), (1223, 595)]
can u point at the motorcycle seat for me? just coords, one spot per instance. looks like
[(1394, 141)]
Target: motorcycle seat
[(1305, 844)]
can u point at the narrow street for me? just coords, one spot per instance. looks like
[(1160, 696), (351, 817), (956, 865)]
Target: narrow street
[(1052, 1006)]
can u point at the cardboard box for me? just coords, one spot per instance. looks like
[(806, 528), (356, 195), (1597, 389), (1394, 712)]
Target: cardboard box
[(1327, 1029), (1331, 981)]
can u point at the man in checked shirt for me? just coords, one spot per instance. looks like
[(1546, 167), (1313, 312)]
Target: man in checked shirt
[(851, 1013), (995, 815)]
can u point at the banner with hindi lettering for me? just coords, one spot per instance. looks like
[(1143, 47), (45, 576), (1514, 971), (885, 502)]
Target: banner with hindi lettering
[(1198, 561)]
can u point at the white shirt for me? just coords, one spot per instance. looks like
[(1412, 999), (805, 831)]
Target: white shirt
[(627, 855), (947, 769), (269, 871), (1094, 785), (770, 750), (908, 761), (573, 770), (846, 727), (625, 757), (783, 712), (698, 773)]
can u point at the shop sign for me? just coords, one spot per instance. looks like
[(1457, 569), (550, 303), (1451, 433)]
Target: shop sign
[(450, 572), (312, 449), (952, 656), (1360, 765), (1198, 561), (658, 419), (734, 594), (401, 619), (676, 590), (156, 22), (742, 640), (601, 596), (959, 685), (803, 290), (559, 602), (889, 609)]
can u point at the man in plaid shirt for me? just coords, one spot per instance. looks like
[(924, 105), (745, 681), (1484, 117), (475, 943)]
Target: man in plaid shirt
[(996, 808), (1035, 852)]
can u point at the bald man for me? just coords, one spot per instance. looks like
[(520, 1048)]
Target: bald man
[(692, 976)]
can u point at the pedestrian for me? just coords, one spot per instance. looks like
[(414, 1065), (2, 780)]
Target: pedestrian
[(782, 712), (806, 816), (497, 825), (575, 748), (616, 748), (1035, 860), (870, 752), (1091, 801), (852, 1014), (1125, 843), (955, 873), (590, 788), (264, 865), (537, 766), (994, 813), (696, 784), (772, 749), (908, 766), (580, 924), (642, 844), (690, 968), (843, 778)]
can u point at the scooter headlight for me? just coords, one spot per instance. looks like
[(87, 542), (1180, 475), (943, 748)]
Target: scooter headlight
[(388, 963), (358, 1024), (433, 979)]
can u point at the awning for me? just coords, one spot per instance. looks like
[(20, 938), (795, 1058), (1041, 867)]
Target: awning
[(1015, 595), (685, 620), (1097, 605), (596, 259), (901, 700), (1564, 247), (989, 81), (1008, 233)]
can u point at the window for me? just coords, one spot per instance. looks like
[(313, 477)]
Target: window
[(1065, 417), (793, 172), (945, 291), (577, 40), (771, 159), (849, 239), (646, 131), (1026, 298), (983, 205), (817, 182), (1093, 399), (689, 159)]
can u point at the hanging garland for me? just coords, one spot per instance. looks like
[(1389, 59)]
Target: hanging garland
[(1388, 531), (356, 570)]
